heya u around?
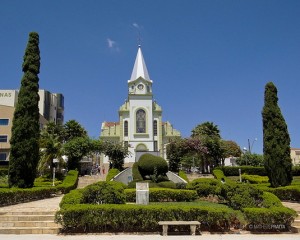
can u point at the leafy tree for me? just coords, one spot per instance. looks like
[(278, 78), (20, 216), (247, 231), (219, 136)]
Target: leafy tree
[(178, 149), (250, 159), (116, 153), (24, 142), (76, 149), (209, 134), (51, 144), (276, 140), (229, 149), (73, 129)]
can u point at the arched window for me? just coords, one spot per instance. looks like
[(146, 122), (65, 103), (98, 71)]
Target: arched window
[(126, 129), (141, 121), (155, 127)]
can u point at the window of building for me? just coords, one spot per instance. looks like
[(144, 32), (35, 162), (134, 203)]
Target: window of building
[(155, 127), (3, 156), (3, 138), (155, 146), (126, 129), (141, 121), (4, 121)]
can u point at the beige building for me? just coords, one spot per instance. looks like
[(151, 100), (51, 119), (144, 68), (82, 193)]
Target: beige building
[(295, 156), (51, 108)]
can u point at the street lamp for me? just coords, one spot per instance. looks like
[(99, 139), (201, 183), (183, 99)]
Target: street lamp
[(55, 160), (250, 147), (245, 150)]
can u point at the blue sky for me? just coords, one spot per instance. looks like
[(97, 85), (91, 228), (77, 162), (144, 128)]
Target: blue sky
[(209, 60)]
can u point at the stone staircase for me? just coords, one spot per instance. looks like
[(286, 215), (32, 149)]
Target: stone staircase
[(36, 217), (28, 223), (87, 180)]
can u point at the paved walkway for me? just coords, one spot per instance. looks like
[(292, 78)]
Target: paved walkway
[(50, 204), (153, 237)]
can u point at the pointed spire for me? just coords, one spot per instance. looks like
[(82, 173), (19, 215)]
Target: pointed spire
[(139, 69)]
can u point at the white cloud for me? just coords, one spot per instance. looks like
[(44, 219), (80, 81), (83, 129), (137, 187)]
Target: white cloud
[(136, 25), (111, 43)]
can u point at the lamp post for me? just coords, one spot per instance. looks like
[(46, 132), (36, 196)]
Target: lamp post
[(250, 147), (55, 160), (245, 150)]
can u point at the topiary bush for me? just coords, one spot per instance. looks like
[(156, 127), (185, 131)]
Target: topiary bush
[(152, 166), (136, 175), (104, 193)]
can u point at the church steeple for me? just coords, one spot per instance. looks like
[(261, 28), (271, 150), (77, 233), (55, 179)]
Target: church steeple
[(139, 69)]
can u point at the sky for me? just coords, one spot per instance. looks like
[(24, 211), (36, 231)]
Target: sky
[(209, 59)]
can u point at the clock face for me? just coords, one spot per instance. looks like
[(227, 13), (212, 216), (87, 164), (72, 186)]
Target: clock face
[(140, 86)]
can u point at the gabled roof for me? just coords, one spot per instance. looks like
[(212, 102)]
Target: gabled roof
[(139, 68)]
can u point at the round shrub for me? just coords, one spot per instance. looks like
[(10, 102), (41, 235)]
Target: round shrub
[(152, 165), (104, 193), (205, 186)]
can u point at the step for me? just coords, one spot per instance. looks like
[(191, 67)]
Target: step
[(296, 223), (26, 218), (29, 213), (16, 224), (34, 230)]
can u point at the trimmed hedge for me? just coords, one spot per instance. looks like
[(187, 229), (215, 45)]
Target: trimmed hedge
[(164, 195), (10, 196), (288, 193), (112, 173), (104, 193), (136, 175), (268, 219), (3, 171), (234, 171), (254, 179), (137, 218), (183, 175), (270, 200), (204, 186)]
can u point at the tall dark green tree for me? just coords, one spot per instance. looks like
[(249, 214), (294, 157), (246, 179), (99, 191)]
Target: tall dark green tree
[(276, 139), (24, 142)]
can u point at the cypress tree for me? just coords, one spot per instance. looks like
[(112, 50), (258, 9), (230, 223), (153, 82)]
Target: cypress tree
[(276, 140), (24, 155)]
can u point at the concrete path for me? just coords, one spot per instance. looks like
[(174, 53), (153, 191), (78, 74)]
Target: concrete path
[(153, 237)]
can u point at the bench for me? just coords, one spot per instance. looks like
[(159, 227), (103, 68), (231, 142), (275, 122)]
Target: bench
[(165, 224)]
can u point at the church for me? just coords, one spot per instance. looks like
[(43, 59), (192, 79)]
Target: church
[(140, 126)]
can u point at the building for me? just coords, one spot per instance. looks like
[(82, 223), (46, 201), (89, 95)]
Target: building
[(295, 156), (140, 126), (51, 107)]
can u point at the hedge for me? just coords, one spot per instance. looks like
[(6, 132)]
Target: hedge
[(164, 195), (254, 179), (288, 193), (3, 171), (137, 218), (234, 171), (9, 196), (112, 173), (183, 175), (270, 200), (204, 186), (136, 175), (269, 219)]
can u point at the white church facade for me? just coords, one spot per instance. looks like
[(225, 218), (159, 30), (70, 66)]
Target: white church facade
[(140, 126)]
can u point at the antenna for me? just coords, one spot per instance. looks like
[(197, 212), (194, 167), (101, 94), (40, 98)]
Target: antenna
[(139, 38)]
